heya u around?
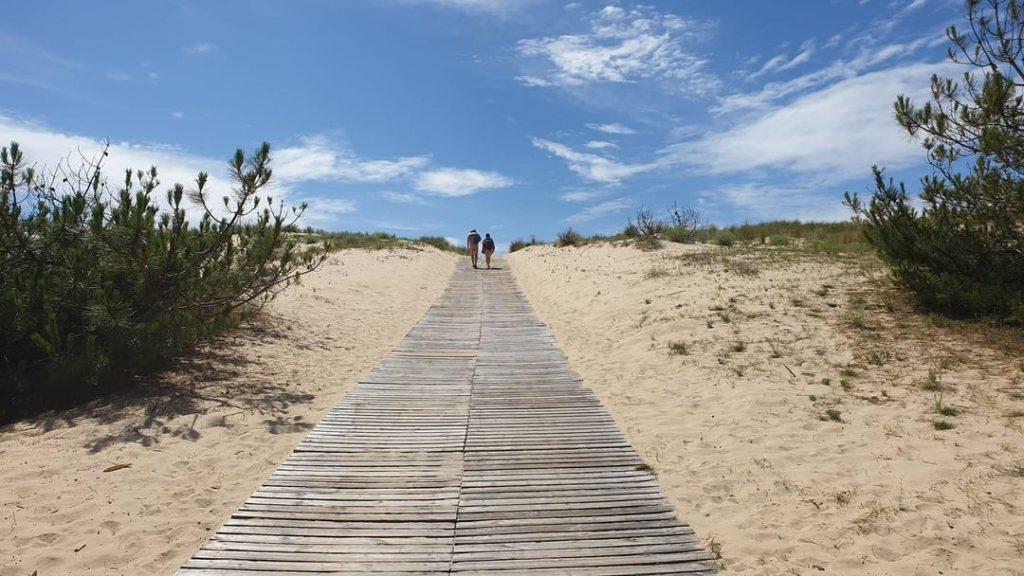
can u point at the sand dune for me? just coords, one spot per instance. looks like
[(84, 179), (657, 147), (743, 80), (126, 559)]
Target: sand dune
[(790, 416), (219, 424)]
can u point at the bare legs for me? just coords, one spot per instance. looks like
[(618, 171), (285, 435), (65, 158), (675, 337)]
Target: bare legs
[(474, 254), (487, 257)]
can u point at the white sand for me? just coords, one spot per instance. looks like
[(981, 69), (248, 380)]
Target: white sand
[(737, 441), (196, 457)]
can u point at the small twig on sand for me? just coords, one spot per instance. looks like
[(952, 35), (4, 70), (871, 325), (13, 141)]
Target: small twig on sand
[(117, 467), (788, 370)]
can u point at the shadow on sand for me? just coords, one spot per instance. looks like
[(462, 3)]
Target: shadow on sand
[(221, 377)]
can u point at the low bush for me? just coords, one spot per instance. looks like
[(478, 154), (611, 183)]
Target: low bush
[(439, 242), (519, 244), (569, 237), (725, 239)]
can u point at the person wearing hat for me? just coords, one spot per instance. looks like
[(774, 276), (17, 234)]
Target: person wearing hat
[(473, 242)]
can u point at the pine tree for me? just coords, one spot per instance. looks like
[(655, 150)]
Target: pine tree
[(100, 284), (963, 251)]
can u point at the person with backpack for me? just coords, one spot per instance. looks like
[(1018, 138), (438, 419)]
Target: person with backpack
[(473, 243), (488, 249)]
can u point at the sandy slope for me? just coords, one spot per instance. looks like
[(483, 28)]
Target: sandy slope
[(737, 427), (234, 412)]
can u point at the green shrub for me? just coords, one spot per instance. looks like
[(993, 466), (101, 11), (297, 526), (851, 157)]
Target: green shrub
[(362, 240), (680, 235), (725, 239), (963, 252), (519, 244), (439, 242), (569, 237), (98, 285), (648, 243)]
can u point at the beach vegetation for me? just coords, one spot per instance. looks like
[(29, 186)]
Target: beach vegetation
[(959, 248), (99, 282), (678, 348), (519, 244), (439, 242), (569, 237)]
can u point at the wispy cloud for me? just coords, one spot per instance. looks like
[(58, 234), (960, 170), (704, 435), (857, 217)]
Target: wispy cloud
[(583, 195), (30, 64), (612, 128), (600, 145), (318, 158), (534, 81), (459, 182), (623, 46), (767, 201), (870, 56), (200, 48), (783, 62), (592, 166), (833, 133), (598, 211), (401, 198), (327, 209), (492, 7)]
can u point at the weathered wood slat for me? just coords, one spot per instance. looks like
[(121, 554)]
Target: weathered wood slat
[(472, 449)]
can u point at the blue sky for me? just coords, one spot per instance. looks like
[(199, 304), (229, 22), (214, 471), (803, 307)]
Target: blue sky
[(516, 117)]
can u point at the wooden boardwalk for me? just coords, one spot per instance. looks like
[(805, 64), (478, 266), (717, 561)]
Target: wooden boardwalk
[(470, 450)]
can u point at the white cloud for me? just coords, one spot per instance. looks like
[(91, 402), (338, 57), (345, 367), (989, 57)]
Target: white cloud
[(459, 182), (782, 63), (177, 114), (327, 209), (200, 48), (599, 145), (47, 148), (401, 198), (591, 166), (869, 56), (317, 158), (766, 202), (598, 211), (624, 46), (612, 128), (583, 195), (834, 133), (534, 81)]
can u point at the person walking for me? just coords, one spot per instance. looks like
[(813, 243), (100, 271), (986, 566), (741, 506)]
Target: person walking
[(488, 249), (473, 244)]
